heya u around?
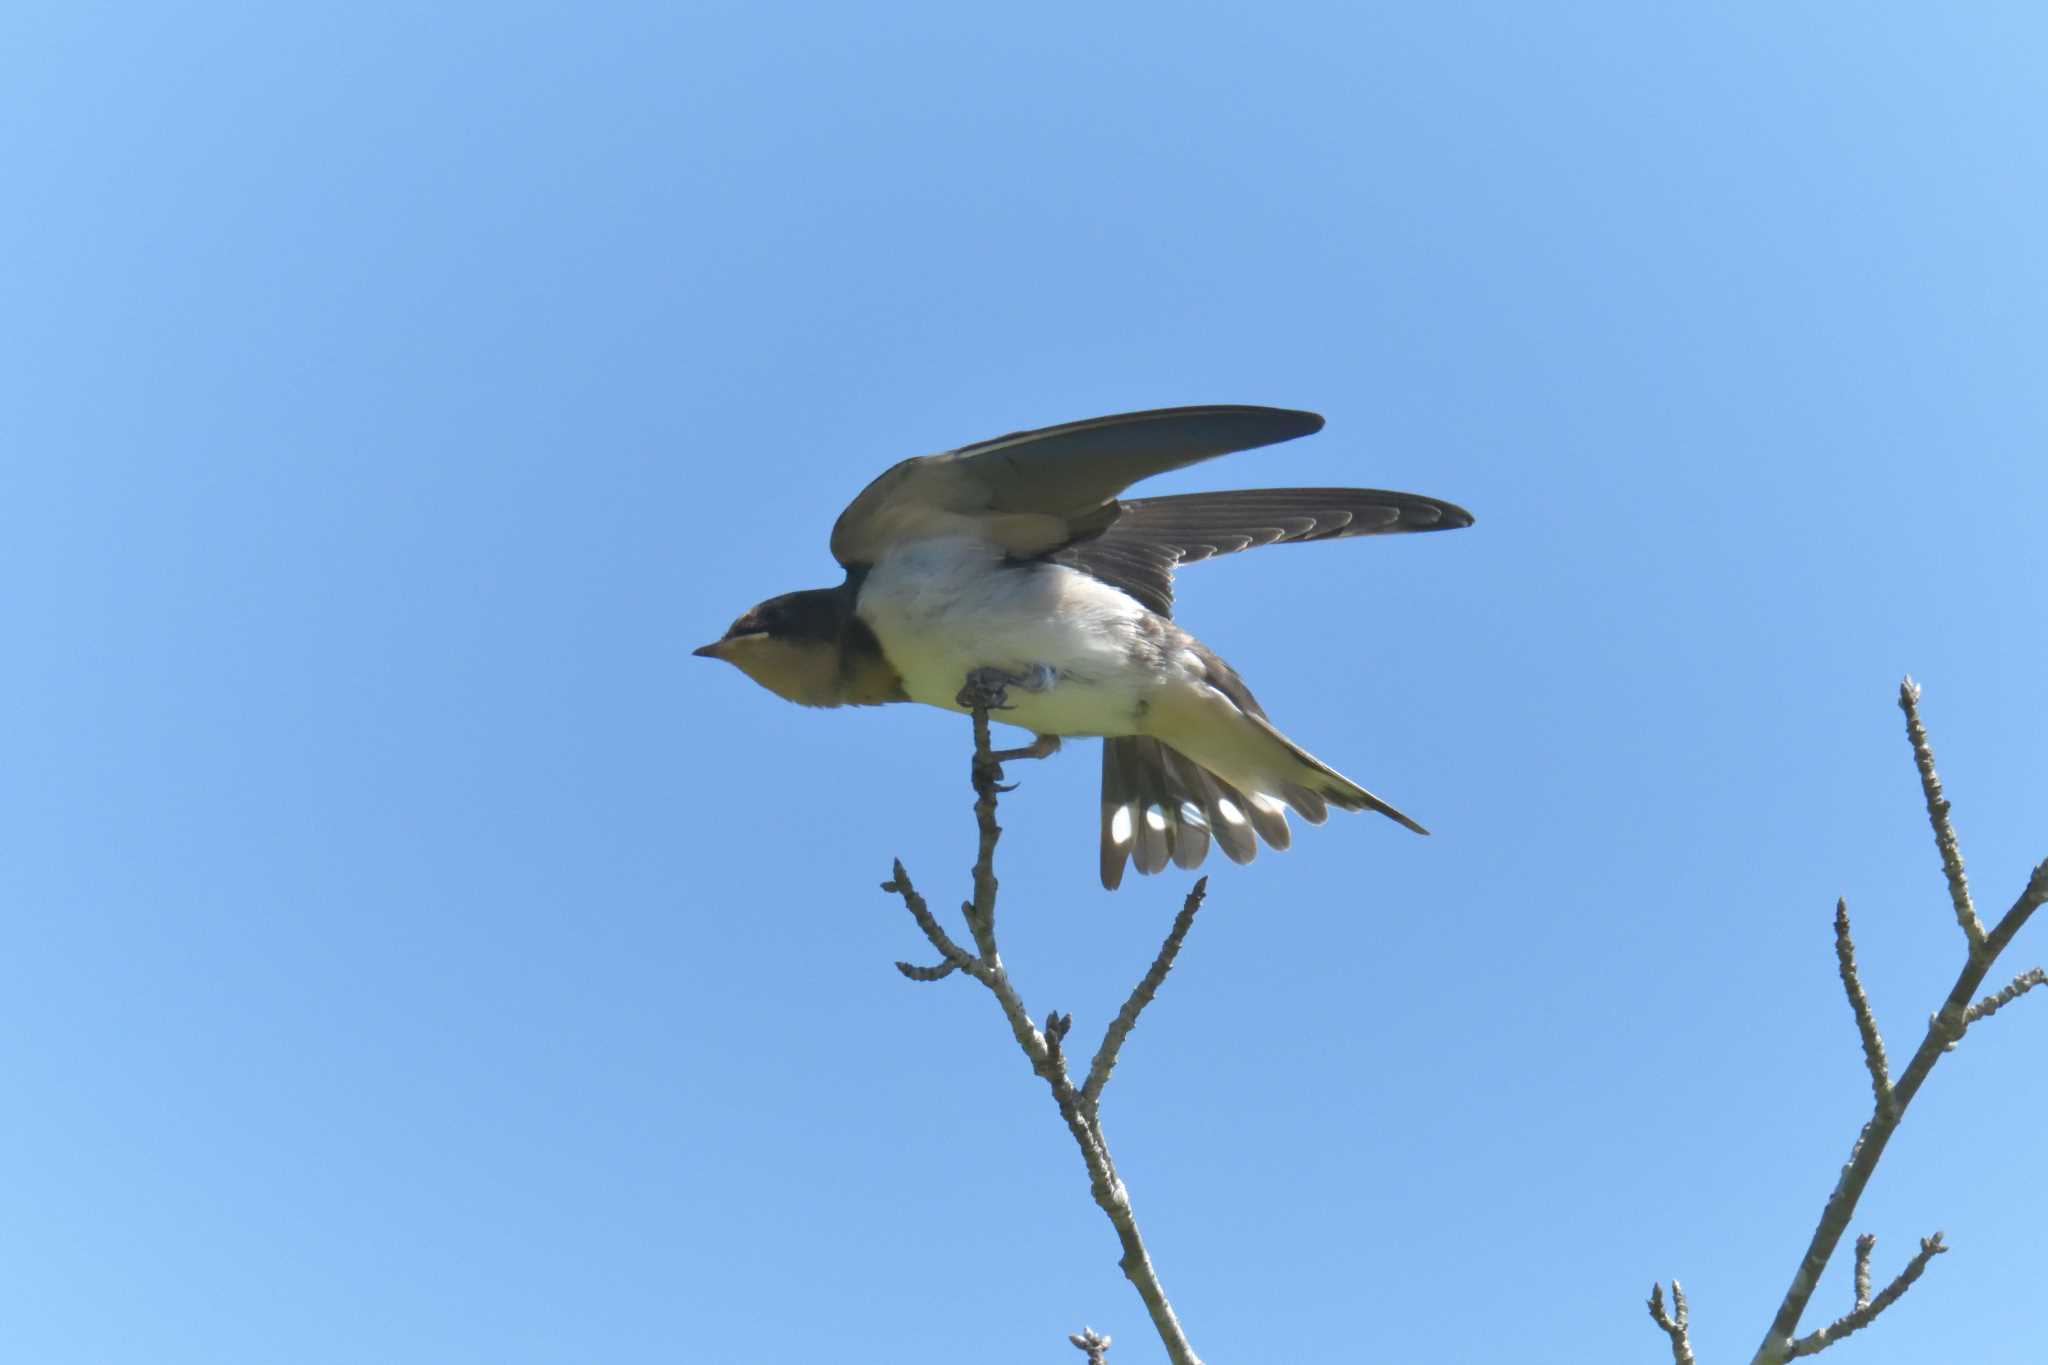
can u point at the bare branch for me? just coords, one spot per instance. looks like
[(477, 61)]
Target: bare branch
[(1867, 1309), (1944, 1029), (1992, 1004), (1937, 815), (1045, 1047), (955, 956), (1676, 1324), (1094, 1343), (1866, 1022), (1954, 1012), (1127, 1017)]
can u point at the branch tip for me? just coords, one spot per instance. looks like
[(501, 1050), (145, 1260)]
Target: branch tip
[(1148, 986), (1938, 817), (1866, 1021), (1095, 1343), (1864, 1244), (1676, 1324)]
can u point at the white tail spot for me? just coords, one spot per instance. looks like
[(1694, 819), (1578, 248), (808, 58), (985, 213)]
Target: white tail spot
[(1155, 816), (1191, 814), (1268, 804), (1227, 808), (1120, 825)]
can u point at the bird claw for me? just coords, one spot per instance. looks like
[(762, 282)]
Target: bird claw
[(1041, 746), (988, 689)]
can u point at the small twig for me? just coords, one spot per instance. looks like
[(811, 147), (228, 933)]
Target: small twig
[(1867, 1308), (1937, 815), (955, 956), (1127, 1017), (1992, 1004), (1094, 1343), (1866, 1022), (1057, 1026), (1676, 1324)]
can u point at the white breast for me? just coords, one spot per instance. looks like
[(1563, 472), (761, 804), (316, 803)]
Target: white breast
[(944, 607)]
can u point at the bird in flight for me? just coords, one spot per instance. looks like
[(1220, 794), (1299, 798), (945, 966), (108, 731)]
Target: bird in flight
[(1009, 574)]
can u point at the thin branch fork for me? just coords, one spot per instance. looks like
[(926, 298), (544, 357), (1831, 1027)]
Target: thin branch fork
[(1891, 1098), (1046, 1047), (1867, 1308), (1677, 1324)]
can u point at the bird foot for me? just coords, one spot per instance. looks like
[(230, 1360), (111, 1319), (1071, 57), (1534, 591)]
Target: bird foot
[(988, 689)]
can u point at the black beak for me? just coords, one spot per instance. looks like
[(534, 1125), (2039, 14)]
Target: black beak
[(709, 651)]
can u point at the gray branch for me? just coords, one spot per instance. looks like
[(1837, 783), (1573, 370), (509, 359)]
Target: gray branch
[(1992, 1004), (1867, 1308), (1937, 815), (1045, 1048), (1127, 1017), (1944, 1029), (1866, 1022), (1676, 1324)]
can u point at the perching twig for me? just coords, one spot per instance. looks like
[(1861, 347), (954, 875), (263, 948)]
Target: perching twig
[(1676, 1324), (1944, 1029), (981, 911), (1045, 1048), (1866, 1022), (1868, 1308)]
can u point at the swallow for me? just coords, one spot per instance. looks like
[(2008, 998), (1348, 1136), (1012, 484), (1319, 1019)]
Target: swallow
[(1010, 574)]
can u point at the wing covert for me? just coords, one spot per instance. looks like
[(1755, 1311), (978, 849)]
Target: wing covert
[(1034, 491)]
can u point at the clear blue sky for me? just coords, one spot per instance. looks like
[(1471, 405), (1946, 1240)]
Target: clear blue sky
[(413, 955)]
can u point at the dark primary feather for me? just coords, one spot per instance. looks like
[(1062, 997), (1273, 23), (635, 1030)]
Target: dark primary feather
[(1150, 537)]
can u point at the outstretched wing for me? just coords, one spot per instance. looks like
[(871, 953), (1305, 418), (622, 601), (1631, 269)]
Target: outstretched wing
[(1032, 492), (1149, 537)]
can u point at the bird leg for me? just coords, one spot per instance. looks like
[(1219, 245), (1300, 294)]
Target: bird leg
[(1041, 746), (988, 689)]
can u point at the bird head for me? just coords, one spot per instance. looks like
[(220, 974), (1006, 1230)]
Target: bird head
[(790, 645)]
